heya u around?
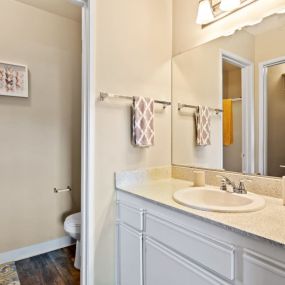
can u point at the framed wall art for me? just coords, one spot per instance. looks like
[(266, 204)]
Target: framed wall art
[(13, 80)]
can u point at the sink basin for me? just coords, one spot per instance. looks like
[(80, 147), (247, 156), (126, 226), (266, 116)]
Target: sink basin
[(215, 200)]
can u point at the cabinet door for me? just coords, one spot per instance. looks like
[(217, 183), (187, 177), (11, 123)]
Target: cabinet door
[(165, 267), (129, 256), (261, 270)]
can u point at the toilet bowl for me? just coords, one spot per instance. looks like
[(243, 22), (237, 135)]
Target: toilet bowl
[(72, 226)]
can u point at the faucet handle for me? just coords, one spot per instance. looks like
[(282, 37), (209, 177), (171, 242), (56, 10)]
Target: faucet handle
[(224, 183), (242, 188)]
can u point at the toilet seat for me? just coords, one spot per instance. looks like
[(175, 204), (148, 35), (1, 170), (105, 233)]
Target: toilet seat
[(73, 223), (72, 226)]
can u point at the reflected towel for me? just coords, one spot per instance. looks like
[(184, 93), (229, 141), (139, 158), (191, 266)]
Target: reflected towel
[(142, 122), (228, 122), (203, 126)]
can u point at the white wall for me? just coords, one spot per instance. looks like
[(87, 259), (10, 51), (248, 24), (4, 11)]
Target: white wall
[(40, 135), (133, 57)]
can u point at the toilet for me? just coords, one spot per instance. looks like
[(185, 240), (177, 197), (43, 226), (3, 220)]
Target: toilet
[(72, 226)]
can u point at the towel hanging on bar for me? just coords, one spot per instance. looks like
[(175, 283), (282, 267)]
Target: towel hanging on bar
[(143, 122), (203, 125), (228, 133)]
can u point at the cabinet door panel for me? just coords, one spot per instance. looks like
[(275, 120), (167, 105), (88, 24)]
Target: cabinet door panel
[(129, 256), (261, 270), (164, 267)]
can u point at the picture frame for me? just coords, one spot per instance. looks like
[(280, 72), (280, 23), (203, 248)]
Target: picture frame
[(14, 80)]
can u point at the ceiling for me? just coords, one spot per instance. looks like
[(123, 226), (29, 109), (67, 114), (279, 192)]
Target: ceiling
[(60, 7)]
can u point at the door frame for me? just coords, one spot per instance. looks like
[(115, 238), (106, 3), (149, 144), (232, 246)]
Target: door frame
[(87, 274), (247, 68), (88, 145), (263, 114)]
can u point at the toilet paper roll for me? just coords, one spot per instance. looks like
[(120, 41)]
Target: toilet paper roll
[(199, 178)]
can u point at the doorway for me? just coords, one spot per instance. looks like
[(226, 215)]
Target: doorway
[(42, 130), (271, 116), (237, 87), (232, 127)]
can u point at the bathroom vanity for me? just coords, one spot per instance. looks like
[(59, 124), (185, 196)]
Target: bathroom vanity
[(218, 129), (162, 242)]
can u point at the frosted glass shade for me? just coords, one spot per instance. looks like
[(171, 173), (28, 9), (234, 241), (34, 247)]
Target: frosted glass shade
[(205, 12), (229, 5)]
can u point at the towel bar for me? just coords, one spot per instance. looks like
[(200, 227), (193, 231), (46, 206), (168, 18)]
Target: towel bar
[(104, 95), (181, 106)]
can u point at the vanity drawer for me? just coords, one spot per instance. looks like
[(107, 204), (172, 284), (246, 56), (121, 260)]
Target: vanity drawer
[(130, 215), (217, 256)]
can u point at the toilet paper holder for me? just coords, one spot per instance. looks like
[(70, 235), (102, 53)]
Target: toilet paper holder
[(67, 189)]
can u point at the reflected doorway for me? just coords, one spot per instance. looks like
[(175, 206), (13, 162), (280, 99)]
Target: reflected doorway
[(232, 117), (238, 113), (271, 117)]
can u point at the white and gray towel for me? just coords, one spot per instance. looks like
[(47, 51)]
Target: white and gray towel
[(143, 122), (203, 126)]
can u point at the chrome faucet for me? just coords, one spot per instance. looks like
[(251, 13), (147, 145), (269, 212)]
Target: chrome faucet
[(225, 181)]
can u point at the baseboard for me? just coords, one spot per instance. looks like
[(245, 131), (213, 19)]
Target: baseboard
[(36, 249)]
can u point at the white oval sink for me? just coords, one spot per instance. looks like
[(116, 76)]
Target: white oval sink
[(216, 200)]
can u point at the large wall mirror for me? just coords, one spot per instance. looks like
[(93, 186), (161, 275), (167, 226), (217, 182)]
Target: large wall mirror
[(229, 102)]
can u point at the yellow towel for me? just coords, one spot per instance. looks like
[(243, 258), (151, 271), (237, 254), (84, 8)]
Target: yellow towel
[(228, 122)]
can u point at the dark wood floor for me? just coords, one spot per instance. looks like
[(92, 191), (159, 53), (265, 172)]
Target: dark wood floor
[(53, 268)]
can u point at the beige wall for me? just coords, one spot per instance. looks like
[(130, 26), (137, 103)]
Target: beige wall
[(187, 34), (39, 136), (133, 57), (197, 79)]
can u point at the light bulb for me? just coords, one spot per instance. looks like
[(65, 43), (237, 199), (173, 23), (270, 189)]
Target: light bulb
[(229, 5), (205, 12)]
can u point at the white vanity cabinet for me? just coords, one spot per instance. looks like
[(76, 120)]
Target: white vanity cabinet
[(158, 245)]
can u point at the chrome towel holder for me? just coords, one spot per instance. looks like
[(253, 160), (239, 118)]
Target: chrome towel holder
[(104, 95), (181, 106)]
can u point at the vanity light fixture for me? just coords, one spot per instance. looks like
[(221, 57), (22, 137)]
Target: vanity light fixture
[(205, 12), (229, 5), (210, 11)]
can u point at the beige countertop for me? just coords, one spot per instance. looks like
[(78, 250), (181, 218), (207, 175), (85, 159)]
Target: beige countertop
[(267, 224)]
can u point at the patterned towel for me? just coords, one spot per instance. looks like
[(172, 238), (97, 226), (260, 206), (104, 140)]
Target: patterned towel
[(142, 122), (203, 126), (8, 274)]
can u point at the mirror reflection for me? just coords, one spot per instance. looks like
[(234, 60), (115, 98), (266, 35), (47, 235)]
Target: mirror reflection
[(229, 102), (232, 117)]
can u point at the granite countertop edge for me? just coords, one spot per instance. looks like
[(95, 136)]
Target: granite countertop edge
[(205, 219)]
